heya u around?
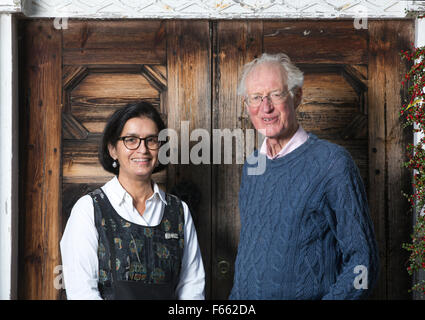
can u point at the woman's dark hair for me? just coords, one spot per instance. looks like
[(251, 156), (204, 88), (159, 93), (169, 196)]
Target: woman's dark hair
[(115, 125)]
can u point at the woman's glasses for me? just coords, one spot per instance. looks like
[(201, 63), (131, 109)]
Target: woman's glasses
[(132, 142)]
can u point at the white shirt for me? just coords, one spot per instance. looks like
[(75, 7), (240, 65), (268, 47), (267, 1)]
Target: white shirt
[(297, 140), (79, 243)]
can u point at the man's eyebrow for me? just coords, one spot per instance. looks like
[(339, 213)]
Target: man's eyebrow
[(271, 91)]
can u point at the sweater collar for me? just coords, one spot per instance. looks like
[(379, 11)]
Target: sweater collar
[(297, 140), (253, 161)]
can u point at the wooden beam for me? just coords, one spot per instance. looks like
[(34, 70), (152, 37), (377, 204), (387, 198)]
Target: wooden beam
[(317, 41), (387, 142), (41, 142), (398, 35), (114, 42), (189, 99), (377, 152)]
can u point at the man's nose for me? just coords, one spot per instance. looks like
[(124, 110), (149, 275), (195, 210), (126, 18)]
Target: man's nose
[(266, 104)]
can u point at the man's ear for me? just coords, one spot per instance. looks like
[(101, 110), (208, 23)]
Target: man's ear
[(112, 151), (298, 96)]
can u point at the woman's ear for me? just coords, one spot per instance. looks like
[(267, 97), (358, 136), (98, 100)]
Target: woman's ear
[(112, 151)]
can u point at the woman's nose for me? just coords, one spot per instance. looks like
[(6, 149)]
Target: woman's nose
[(142, 147)]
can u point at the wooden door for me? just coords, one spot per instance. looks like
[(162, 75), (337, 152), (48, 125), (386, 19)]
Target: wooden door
[(351, 96), (76, 79), (73, 79)]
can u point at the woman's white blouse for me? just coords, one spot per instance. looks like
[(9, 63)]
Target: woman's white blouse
[(79, 243)]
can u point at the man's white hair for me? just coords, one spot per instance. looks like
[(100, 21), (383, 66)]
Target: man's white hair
[(295, 75)]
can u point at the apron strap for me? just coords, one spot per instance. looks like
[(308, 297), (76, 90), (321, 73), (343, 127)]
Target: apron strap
[(100, 205)]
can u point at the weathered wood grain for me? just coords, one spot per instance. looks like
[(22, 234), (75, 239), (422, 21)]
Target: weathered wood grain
[(377, 151), (41, 178), (189, 99), (72, 128), (114, 42), (328, 120), (328, 87), (396, 36), (94, 99), (317, 41), (387, 143)]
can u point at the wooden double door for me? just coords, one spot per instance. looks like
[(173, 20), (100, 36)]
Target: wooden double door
[(73, 79)]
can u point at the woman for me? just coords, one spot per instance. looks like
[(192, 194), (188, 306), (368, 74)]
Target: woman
[(129, 239)]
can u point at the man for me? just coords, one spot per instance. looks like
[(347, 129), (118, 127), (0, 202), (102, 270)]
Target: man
[(306, 232)]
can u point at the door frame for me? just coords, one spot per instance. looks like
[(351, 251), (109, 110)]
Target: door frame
[(9, 160)]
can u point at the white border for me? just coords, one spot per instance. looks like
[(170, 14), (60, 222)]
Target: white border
[(218, 9), (10, 6), (154, 9), (8, 158)]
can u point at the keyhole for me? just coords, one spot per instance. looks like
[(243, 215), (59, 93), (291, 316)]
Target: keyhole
[(223, 267)]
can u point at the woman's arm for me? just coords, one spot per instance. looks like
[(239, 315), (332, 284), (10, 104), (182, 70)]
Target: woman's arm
[(192, 277), (79, 253)]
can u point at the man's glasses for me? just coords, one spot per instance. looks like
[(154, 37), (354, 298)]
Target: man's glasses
[(132, 143), (277, 97)]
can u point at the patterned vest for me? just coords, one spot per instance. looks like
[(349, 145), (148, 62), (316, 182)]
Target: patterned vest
[(145, 257)]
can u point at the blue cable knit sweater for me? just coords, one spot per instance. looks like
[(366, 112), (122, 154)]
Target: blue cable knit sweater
[(305, 226)]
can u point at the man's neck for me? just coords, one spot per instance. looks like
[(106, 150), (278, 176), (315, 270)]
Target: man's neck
[(275, 145)]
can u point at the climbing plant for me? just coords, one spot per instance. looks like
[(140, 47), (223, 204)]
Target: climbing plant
[(413, 112)]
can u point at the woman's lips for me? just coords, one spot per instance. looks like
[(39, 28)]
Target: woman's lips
[(141, 160)]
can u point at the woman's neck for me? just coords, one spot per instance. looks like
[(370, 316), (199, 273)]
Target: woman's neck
[(139, 190)]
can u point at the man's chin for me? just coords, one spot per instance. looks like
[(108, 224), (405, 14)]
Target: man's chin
[(270, 133)]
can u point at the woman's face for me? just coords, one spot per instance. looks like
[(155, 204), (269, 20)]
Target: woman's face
[(139, 163)]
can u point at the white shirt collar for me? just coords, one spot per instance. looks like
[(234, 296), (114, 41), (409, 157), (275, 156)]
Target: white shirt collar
[(114, 187), (297, 140)]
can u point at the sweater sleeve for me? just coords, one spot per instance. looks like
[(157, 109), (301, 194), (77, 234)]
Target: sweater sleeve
[(353, 230)]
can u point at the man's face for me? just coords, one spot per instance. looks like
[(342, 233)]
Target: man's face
[(277, 120)]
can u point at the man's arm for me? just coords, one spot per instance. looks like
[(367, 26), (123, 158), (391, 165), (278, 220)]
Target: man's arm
[(346, 197)]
